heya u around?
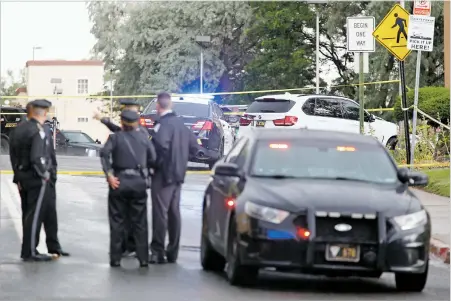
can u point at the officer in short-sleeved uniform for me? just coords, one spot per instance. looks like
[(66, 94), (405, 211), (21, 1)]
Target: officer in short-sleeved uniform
[(126, 159), (33, 173), (126, 104)]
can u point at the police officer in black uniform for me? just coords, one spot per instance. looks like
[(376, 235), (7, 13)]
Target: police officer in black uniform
[(33, 172), (132, 105), (174, 144), (132, 155)]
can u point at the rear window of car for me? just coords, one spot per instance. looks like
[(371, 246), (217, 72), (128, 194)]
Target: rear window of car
[(182, 109), (270, 105), (313, 159)]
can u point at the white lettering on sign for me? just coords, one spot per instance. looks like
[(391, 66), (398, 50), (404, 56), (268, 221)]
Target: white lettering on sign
[(420, 34), (359, 34), (422, 7)]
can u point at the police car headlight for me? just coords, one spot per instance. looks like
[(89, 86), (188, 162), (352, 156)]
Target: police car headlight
[(411, 221), (267, 214)]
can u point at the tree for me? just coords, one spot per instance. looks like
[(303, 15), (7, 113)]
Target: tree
[(10, 83)]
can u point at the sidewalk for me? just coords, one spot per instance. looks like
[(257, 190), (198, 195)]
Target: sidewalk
[(438, 208)]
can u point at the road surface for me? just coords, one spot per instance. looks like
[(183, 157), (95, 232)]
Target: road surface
[(87, 275)]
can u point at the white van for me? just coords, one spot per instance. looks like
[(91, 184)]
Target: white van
[(315, 112)]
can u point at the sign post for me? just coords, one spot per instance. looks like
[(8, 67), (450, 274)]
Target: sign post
[(360, 41), (392, 34), (420, 38)]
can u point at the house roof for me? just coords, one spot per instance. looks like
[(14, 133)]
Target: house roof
[(64, 63), (21, 90)]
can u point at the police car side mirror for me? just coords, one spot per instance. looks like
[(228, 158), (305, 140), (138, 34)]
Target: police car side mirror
[(412, 178), (227, 170)]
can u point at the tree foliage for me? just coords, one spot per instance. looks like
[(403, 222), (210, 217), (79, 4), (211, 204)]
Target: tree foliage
[(10, 83)]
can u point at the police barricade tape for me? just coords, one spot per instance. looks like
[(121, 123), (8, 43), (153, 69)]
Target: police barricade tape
[(209, 172), (101, 173), (204, 94)]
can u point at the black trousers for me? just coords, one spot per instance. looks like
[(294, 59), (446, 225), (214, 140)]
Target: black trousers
[(165, 218), (128, 208), (129, 240), (49, 218)]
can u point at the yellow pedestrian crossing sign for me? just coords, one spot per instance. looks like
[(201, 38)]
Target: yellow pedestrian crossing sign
[(392, 32)]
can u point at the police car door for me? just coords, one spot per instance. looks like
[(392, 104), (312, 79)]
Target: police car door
[(223, 189)]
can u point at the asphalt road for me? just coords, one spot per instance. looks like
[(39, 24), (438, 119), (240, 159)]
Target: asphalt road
[(87, 275)]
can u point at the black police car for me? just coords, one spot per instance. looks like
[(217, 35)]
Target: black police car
[(10, 118), (76, 143), (202, 116), (316, 202)]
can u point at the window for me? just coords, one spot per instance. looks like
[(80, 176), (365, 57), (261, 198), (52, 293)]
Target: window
[(12, 115), (182, 109), (309, 107), (218, 111), (328, 107), (350, 110), (236, 150), (82, 119), (270, 105), (82, 86), (242, 156), (78, 137)]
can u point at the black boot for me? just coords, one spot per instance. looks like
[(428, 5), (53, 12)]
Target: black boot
[(115, 263), (157, 259), (37, 258), (59, 253)]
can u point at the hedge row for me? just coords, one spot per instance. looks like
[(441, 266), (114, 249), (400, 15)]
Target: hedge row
[(434, 101)]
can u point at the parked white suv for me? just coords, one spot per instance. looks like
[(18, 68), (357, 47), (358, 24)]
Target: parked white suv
[(320, 112)]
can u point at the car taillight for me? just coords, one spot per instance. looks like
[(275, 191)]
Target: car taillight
[(146, 122), (244, 121), (287, 121), (203, 126)]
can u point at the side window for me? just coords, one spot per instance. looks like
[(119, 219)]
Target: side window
[(309, 107), (220, 113), (328, 107), (11, 115), (241, 158), (235, 151), (350, 110), (60, 137)]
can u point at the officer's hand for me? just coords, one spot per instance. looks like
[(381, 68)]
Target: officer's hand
[(97, 116), (19, 187), (113, 181)]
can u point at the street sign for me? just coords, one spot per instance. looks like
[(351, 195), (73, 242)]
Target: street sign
[(392, 32), (421, 33), (422, 7), (359, 34)]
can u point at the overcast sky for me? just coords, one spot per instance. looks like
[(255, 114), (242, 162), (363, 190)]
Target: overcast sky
[(62, 29)]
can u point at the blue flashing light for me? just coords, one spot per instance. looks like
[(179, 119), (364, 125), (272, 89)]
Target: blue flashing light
[(279, 234)]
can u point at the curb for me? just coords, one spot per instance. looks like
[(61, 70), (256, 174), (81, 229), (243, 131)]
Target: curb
[(440, 249)]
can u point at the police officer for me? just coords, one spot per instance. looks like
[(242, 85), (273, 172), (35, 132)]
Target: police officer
[(33, 175), (126, 104), (174, 143), (132, 155)]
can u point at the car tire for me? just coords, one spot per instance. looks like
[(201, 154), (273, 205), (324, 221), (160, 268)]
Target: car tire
[(391, 143), (221, 154), (238, 274), (409, 282), (209, 258), (4, 146)]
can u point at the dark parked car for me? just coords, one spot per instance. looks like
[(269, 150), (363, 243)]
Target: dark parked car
[(10, 118), (76, 143), (202, 116), (316, 202)]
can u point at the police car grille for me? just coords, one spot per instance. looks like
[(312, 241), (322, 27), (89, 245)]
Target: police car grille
[(363, 230)]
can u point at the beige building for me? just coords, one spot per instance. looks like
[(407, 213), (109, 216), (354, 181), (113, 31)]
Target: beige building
[(68, 85)]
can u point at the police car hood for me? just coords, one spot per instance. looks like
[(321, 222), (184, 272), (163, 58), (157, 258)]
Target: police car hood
[(295, 195)]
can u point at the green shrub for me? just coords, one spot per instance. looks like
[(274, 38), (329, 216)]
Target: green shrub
[(432, 100)]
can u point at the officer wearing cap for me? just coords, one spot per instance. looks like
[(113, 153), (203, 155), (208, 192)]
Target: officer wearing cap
[(132, 105), (126, 159), (33, 169), (49, 217)]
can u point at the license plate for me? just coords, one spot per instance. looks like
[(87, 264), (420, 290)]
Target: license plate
[(260, 123), (343, 253)]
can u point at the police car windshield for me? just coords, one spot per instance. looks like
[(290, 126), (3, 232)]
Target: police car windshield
[(323, 160), (78, 137), (182, 109)]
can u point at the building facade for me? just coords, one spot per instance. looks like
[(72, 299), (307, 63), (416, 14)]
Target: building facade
[(68, 84)]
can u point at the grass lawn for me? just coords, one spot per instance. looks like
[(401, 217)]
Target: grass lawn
[(438, 181)]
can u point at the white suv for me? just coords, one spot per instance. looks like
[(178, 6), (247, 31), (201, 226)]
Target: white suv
[(314, 112)]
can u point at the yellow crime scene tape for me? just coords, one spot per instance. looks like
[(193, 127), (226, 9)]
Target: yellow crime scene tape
[(209, 172), (204, 94)]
